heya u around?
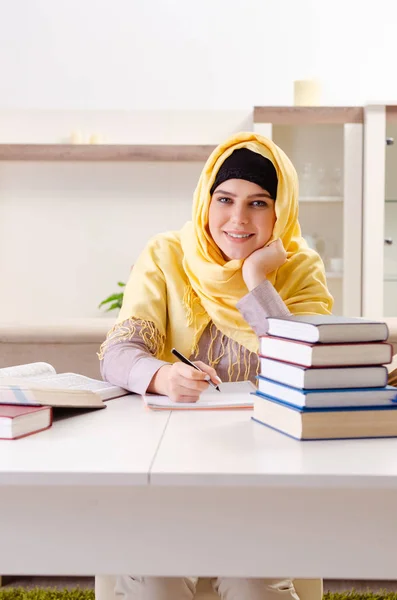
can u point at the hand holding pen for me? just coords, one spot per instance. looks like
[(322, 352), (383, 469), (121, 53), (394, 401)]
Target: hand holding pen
[(199, 367), (183, 381)]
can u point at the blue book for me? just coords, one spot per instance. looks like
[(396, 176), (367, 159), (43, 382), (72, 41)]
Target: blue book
[(326, 423), (328, 398)]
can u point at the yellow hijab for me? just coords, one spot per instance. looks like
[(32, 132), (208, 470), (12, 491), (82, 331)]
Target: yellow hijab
[(181, 282)]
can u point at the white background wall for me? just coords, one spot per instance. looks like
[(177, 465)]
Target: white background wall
[(69, 232), (125, 54)]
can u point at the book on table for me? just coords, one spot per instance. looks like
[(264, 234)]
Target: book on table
[(236, 394), (19, 421), (323, 377), (325, 355), (327, 329), (326, 423), (329, 397), (38, 384)]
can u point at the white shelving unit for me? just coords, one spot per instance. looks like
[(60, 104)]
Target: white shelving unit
[(326, 147), (380, 212)]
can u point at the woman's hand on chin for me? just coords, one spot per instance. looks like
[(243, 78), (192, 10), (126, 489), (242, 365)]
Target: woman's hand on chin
[(261, 262)]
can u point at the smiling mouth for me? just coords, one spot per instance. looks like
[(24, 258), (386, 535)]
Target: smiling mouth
[(238, 236)]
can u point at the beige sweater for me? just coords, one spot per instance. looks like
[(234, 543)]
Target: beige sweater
[(131, 365)]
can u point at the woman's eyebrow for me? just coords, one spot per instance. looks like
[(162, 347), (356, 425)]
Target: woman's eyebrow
[(226, 193), (260, 195)]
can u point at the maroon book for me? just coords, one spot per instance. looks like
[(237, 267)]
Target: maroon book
[(19, 421)]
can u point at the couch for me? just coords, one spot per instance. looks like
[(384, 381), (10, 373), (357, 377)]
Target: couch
[(70, 345)]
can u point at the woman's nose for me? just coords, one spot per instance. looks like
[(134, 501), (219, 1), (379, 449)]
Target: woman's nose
[(239, 215)]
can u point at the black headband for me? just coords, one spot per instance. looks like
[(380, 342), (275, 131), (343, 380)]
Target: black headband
[(251, 166)]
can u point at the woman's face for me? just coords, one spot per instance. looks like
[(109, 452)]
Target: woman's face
[(241, 218)]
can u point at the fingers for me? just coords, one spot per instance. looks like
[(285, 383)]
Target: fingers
[(185, 383), (209, 370), (190, 372), (180, 393)]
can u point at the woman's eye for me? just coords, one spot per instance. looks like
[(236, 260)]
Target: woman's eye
[(259, 203), (224, 200)]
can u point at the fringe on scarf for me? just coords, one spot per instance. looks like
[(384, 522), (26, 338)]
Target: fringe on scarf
[(239, 358), (191, 303), (131, 328)]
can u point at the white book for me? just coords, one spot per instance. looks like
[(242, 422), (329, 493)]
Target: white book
[(40, 384), (327, 329), (321, 378), (325, 355)]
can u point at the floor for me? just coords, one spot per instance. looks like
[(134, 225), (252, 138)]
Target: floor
[(332, 585)]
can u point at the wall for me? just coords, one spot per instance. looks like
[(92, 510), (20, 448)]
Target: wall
[(70, 231), (165, 54)]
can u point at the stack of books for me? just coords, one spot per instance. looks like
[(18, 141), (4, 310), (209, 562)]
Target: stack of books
[(324, 377)]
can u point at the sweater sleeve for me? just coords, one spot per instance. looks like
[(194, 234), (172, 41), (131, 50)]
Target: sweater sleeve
[(125, 358), (261, 302)]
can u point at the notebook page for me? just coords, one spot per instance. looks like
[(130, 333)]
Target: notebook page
[(232, 395)]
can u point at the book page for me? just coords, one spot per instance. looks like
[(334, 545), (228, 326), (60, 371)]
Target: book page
[(31, 370), (74, 381), (70, 382)]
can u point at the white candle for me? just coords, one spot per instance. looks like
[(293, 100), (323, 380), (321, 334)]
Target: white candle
[(96, 138), (307, 92), (76, 137)]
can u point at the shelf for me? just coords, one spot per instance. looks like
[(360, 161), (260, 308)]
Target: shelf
[(308, 115), (390, 278), (390, 201), (321, 199), (104, 152), (333, 275)]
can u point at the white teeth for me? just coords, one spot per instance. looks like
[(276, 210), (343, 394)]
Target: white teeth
[(238, 235)]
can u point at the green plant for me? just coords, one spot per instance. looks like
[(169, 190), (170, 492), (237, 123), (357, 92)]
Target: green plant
[(115, 300)]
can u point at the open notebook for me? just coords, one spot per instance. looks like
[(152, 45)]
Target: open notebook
[(232, 395)]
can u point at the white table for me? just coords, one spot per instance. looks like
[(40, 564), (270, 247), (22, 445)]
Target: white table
[(126, 490), (264, 504), (109, 447)]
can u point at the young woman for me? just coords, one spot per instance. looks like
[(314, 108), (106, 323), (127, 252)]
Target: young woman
[(207, 290)]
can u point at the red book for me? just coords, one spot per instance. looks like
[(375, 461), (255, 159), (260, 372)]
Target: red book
[(19, 421)]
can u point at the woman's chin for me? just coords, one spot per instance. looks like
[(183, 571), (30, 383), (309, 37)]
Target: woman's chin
[(235, 253)]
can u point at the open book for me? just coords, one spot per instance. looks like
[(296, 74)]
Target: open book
[(232, 395), (39, 384)]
